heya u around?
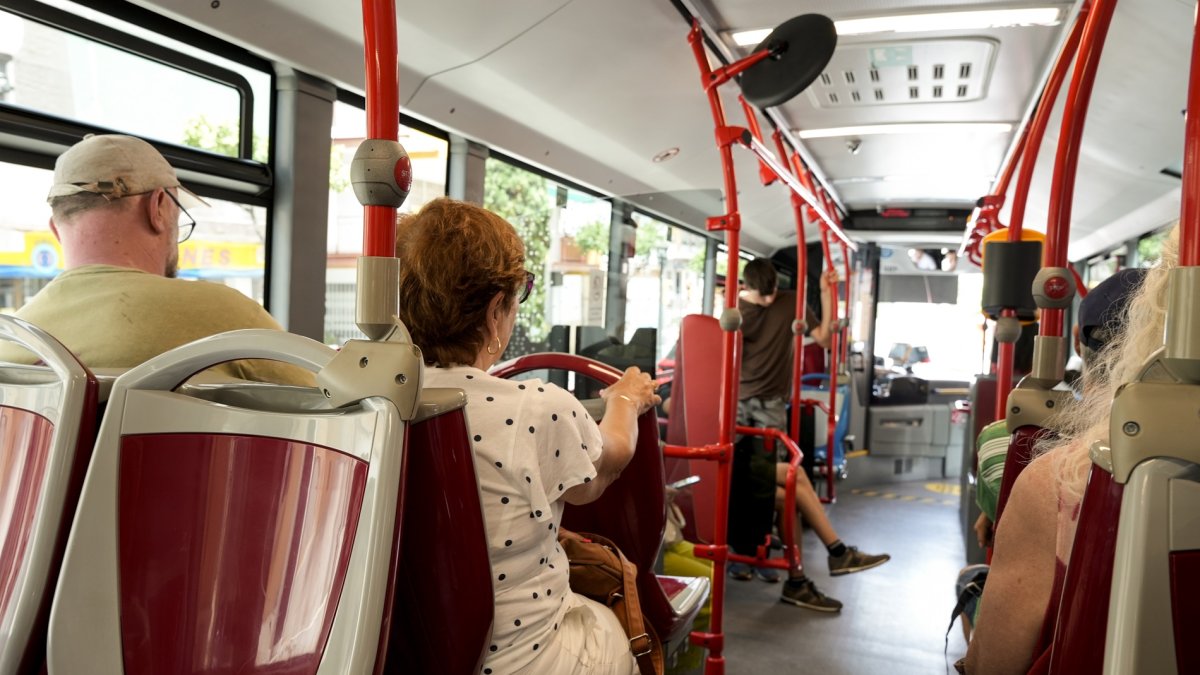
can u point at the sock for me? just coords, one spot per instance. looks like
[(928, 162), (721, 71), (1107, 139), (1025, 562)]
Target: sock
[(798, 581), (837, 549)]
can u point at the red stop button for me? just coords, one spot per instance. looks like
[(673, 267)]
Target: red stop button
[(1056, 288), (404, 175)]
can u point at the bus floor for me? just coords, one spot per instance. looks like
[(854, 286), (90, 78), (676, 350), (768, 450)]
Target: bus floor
[(894, 617)]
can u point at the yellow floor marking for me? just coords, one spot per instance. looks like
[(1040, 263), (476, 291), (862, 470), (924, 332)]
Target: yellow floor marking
[(944, 488), (857, 453)]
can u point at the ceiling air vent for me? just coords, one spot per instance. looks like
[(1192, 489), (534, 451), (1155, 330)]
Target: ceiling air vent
[(924, 71)]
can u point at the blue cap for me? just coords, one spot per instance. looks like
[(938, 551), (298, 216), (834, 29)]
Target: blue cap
[(1103, 311)]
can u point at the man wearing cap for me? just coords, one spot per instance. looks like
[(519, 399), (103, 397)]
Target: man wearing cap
[(118, 210)]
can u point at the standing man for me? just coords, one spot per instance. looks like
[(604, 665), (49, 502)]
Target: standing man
[(767, 315), (117, 208)]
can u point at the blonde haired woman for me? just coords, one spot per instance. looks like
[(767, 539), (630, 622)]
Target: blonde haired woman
[(1033, 541)]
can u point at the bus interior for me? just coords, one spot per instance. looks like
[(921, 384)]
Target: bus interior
[(585, 124)]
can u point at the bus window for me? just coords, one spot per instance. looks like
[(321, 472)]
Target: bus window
[(665, 280), (429, 155), (49, 70), (566, 234), (928, 321)]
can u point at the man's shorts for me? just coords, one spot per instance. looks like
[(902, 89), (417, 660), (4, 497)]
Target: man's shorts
[(763, 412)]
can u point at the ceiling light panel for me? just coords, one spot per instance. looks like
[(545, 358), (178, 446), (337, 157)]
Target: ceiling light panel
[(933, 22), (895, 73), (915, 128)]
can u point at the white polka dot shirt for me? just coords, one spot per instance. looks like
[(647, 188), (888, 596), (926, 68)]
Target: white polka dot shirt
[(532, 442)]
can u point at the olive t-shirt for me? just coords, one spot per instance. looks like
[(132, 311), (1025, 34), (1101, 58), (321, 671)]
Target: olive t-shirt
[(767, 346), (116, 317)]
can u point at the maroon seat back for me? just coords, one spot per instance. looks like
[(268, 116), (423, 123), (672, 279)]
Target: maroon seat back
[(1021, 446), (1083, 607), (443, 606), (47, 428), (695, 404)]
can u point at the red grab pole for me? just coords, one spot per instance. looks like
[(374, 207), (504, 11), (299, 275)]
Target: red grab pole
[(383, 113), (1041, 119), (1189, 220), (1062, 186), (801, 296)]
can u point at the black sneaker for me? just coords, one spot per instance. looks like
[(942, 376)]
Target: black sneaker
[(805, 594), (854, 561)]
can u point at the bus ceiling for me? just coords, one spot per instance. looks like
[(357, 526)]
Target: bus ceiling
[(915, 110)]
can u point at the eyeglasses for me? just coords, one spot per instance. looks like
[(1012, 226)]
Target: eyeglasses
[(529, 278), (185, 229)]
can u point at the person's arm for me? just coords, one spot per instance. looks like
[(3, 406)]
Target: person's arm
[(1017, 593), (624, 401), (823, 333)]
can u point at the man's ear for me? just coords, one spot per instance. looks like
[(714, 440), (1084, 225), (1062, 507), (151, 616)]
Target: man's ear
[(156, 210), (54, 229)]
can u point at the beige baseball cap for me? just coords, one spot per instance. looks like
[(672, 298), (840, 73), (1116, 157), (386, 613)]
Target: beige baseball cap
[(118, 166)]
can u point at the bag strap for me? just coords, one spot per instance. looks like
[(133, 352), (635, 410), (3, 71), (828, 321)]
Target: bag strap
[(643, 641)]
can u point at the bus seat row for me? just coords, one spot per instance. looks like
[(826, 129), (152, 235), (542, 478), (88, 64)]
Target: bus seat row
[(248, 528)]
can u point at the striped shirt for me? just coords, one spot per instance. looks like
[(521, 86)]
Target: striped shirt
[(992, 447)]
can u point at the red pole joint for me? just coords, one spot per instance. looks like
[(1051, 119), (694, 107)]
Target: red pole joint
[(383, 113)]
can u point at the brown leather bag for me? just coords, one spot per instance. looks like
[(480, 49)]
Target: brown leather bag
[(600, 572)]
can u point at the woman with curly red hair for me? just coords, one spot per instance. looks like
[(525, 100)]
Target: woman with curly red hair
[(462, 277)]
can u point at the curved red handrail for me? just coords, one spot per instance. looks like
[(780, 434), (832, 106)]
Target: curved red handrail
[(1041, 119), (1032, 143), (1070, 140)]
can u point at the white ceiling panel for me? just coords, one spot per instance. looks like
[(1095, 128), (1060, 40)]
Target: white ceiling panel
[(593, 90)]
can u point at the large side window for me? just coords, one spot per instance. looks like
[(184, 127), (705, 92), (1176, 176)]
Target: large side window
[(66, 70), (565, 232), (429, 156)]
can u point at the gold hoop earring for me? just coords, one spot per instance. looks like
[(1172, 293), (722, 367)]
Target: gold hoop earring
[(497, 349)]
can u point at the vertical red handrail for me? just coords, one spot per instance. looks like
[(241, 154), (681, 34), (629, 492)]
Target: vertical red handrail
[(718, 550), (1041, 119), (801, 295), (1032, 142), (834, 363), (1062, 186), (765, 173), (383, 113), (1189, 218)]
